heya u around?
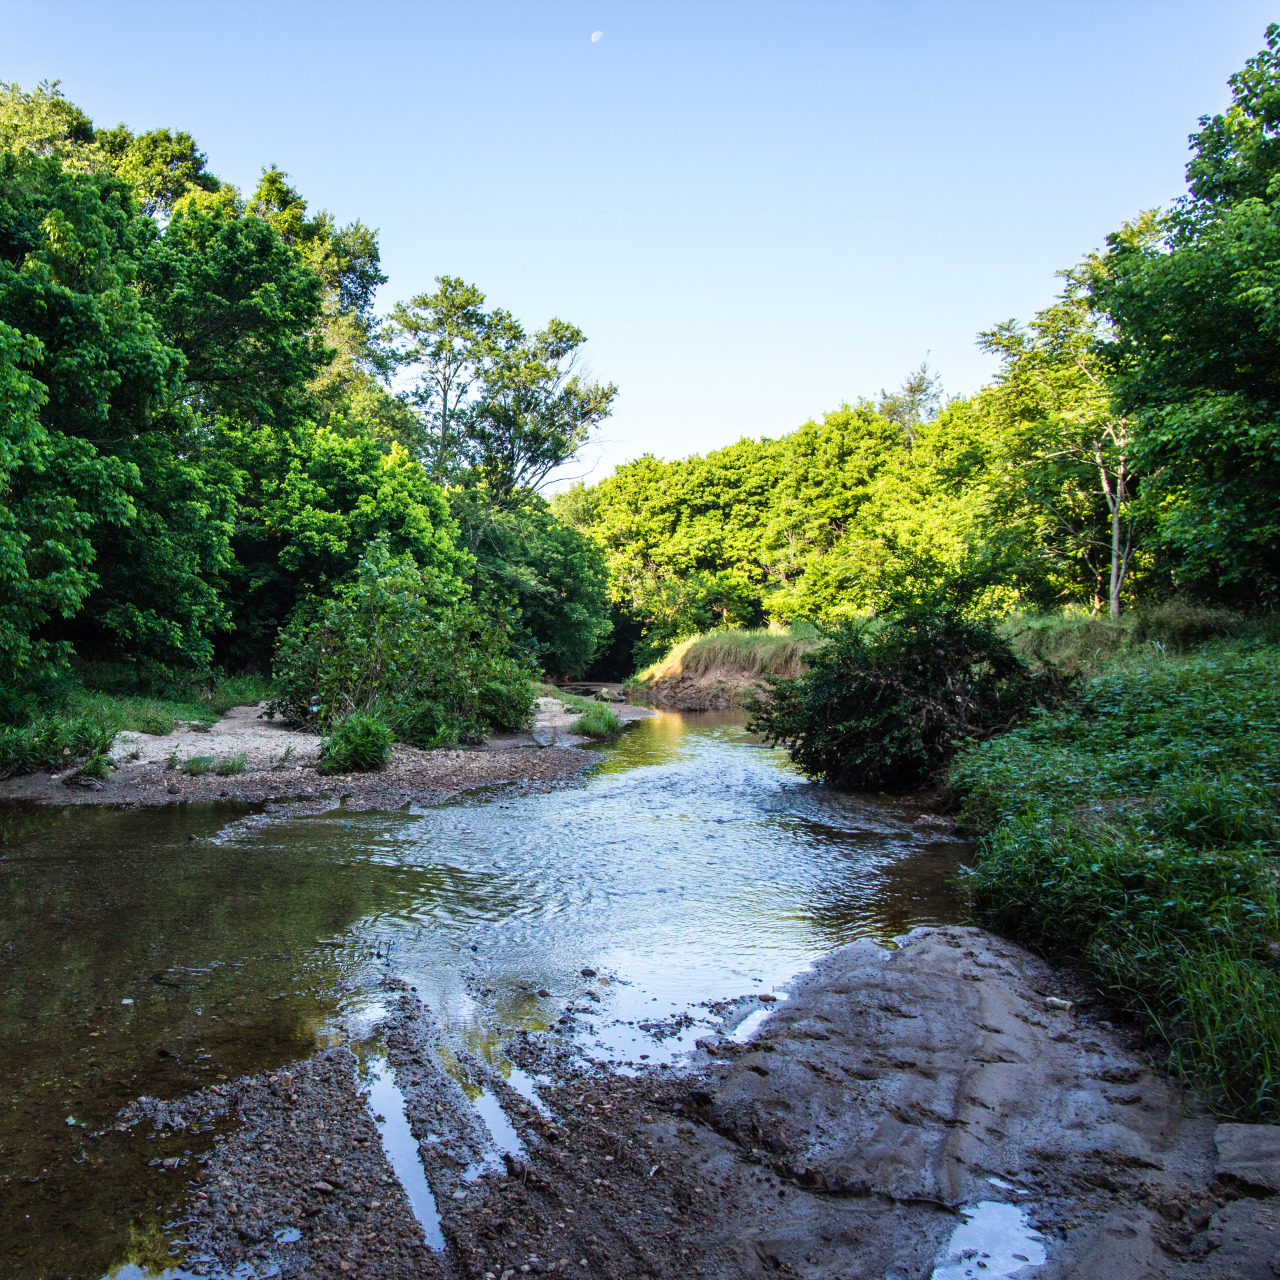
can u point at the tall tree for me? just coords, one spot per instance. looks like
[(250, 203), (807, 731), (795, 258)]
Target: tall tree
[(1193, 303)]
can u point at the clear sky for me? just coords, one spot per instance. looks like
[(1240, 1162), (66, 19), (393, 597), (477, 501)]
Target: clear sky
[(755, 211)]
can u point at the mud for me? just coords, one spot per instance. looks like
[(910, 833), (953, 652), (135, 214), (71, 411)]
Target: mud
[(899, 1105)]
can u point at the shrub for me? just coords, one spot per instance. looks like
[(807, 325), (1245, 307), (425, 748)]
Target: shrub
[(53, 742), (396, 641), (1136, 830), (887, 702), (358, 744), (598, 721)]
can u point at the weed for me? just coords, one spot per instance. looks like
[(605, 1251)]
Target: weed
[(598, 721), (358, 744), (229, 765), (197, 766)]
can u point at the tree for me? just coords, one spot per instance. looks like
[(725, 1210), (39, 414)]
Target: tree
[(914, 403), (1068, 478), (1192, 301), (446, 336), (534, 412)]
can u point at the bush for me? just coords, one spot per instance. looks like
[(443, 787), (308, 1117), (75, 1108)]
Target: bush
[(396, 642), (358, 744), (887, 702), (53, 742), (598, 721)]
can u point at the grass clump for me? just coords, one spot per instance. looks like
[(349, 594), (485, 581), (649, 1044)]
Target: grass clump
[(228, 766), (198, 766), (1137, 830), (598, 721), (359, 743)]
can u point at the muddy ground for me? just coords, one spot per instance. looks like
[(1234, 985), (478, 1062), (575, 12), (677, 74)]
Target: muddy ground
[(279, 766), (893, 1088)]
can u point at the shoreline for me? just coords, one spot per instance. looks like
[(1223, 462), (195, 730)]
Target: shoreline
[(278, 766), (852, 1135)]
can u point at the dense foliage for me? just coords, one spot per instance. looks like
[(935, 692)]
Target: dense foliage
[(886, 703), (1138, 830), (410, 645), (199, 442)]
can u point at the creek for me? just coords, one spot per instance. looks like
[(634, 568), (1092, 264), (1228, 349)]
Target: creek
[(160, 951)]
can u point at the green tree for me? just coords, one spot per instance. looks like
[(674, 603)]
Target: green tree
[(1192, 300)]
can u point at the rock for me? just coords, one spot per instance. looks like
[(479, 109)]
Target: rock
[(322, 1187), (173, 789), (588, 973), (543, 992), (1249, 1153), (1126, 1246)]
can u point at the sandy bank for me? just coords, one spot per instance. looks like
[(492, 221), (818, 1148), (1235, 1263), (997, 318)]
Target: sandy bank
[(279, 765), (851, 1137)]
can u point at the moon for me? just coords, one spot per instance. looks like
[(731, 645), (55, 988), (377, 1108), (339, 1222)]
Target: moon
[(597, 36)]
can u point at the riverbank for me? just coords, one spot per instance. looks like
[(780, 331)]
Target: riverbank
[(1136, 831), (894, 1096), (245, 757)]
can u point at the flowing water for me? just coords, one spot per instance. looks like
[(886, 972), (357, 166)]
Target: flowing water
[(154, 952)]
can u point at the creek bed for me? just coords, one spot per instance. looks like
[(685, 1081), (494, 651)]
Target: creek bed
[(159, 951)]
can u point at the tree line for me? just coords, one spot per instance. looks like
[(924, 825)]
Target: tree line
[(206, 429), (1127, 449)]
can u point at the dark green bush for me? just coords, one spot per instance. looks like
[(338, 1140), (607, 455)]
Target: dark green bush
[(358, 744), (885, 703), (597, 721), (396, 641)]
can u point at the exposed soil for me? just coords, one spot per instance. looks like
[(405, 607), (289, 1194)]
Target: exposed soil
[(892, 1088), (279, 766), (715, 690)]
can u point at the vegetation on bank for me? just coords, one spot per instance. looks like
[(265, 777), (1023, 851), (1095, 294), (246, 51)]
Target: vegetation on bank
[(200, 443), (1137, 830)]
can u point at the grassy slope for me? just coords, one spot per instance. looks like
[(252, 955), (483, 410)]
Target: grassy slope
[(1139, 832), (751, 652)]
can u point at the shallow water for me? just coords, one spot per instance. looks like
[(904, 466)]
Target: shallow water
[(692, 867)]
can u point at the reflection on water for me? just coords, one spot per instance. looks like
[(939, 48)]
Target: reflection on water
[(692, 866)]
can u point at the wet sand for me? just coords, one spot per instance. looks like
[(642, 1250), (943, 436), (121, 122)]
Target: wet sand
[(851, 1135)]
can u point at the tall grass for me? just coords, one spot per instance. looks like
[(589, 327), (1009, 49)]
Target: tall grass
[(598, 721), (1139, 831), (760, 652)]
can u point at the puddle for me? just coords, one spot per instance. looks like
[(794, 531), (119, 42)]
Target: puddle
[(995, 1241), (386, 1101), (527, 1087), (159, 951)]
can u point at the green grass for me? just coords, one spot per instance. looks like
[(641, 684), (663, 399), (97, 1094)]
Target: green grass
[(572, 701), (99, 700), (198, 766), (228, 766), (1138, 831), (598, 721)]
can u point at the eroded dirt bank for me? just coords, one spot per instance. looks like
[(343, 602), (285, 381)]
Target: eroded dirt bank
[(890, 1091)]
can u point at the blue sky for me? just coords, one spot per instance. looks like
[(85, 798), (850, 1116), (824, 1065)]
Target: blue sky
[(755, 211)]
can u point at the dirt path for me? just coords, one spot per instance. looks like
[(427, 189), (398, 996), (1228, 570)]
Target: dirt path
[(852, 1136), (279, 766)]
